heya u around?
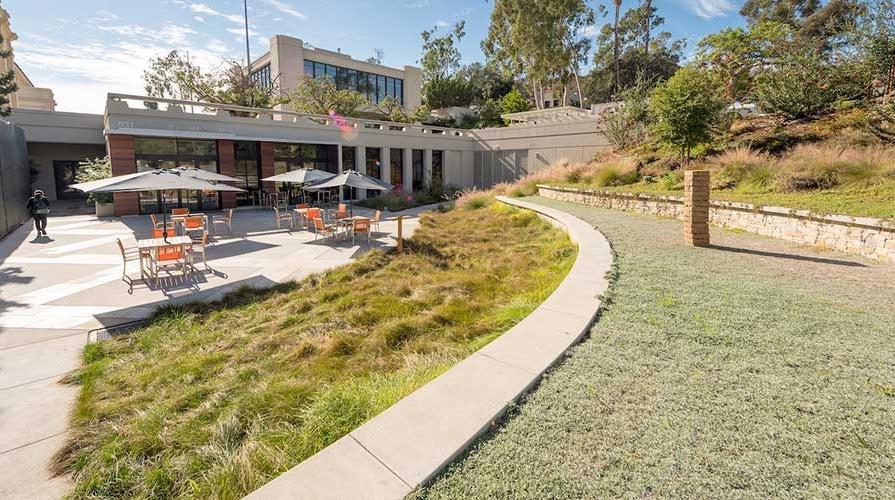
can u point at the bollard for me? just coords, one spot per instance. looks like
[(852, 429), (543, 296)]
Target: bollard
[(400, 233), (696, 207)]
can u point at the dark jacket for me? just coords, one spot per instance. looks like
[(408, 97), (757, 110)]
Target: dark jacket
[(35, 203)]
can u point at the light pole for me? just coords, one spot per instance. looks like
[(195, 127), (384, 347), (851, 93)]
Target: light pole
[(245, 6)]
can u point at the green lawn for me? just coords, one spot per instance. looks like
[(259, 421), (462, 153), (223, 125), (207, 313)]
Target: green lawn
[(212, 401), (760, 369), (876, 201)]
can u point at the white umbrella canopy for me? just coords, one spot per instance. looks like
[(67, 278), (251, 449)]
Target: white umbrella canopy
[(352, 178), (301, 176), (154, 180), (206, 175)]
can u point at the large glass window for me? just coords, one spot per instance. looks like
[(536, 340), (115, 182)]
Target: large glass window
[(375, 87), (349, 158), (152, 153), (261, 78), (248, 168), (396, 159), (374, 168), (437, 168), (418, 172)]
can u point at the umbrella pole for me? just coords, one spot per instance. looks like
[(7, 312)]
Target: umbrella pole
[(164, 218)]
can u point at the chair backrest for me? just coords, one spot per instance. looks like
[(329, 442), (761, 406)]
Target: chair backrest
[(154, 219), (303, 205), (230, 215), (158, 233), (318, 223), (170, 252), (120, 246), (313, 213), (361, 225), (180, 211), (377, 216), (204, 239), (194, 221)]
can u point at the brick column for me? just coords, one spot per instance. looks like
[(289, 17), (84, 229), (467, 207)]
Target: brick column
[(121, 154), (227, 166), (696, 207), (267, 165)]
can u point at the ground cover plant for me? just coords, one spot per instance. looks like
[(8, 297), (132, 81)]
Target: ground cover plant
[(396, 201), (755, 369), (212, 401)]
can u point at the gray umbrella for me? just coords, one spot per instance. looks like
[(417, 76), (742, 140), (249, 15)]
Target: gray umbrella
[(301, 176), (354, 179), (162, 179)]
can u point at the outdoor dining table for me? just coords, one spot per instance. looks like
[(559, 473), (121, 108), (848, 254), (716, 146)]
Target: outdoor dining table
[(152, 245)]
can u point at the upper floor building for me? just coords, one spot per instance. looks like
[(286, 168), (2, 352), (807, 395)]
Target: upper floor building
[(289, 61), (28, 96)]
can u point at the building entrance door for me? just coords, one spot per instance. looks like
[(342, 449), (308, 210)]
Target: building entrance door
[(65, 173)]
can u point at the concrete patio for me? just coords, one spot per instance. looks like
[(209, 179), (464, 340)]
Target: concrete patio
[(55, 290)]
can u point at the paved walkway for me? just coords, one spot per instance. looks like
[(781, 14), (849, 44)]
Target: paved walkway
[(54, 290)]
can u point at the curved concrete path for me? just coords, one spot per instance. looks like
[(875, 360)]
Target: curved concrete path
[(409, 443)]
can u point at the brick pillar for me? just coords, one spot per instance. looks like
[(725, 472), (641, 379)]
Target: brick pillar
[(121, 153), (267, 165), (696, 207), (227, 166)]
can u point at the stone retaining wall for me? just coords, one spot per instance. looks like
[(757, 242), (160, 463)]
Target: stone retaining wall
[(869, 237)]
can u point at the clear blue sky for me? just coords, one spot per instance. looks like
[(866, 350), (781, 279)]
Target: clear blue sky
[(83, 49)]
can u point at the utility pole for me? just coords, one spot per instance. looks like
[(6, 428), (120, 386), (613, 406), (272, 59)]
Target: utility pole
[(245, 5)]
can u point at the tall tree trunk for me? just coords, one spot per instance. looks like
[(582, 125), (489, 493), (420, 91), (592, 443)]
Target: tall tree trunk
[(648, 13), (618, 73), (578, 86)]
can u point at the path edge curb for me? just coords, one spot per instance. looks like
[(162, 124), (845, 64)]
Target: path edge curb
[(412, 441)]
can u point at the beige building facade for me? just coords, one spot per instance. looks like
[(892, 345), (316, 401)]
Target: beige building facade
[(290, 60), (28, 96)]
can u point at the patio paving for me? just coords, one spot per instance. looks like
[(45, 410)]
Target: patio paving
[(54, 290)]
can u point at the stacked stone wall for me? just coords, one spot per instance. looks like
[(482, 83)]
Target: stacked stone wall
[(866, 236)]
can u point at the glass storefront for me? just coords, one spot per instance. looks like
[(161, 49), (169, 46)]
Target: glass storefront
[(374, 168), (248, 169), (418, 172), (396, 159), (437, 168), (153, 153)]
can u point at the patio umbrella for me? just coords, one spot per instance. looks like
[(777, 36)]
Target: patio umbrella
[(352, 178), (300, 176), (162, 179)]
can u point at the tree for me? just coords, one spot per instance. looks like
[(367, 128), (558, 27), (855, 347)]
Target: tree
[(377, 56), (514, 102), (628, 125), (487, 81), (801, 85), (653, 65), (441, 57), (175, 77), (820, 22), (320, 96), (647, 27), (617, 46), (448, 92), (539, 40), (7, 83), (687, 107), (93, 170)]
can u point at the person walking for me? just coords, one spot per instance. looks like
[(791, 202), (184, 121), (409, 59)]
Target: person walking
[(39, 206)]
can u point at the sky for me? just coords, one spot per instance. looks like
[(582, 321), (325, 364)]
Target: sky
[(85, 49)]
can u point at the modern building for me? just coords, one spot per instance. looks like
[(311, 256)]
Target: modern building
[(290, 60), (140, 133)]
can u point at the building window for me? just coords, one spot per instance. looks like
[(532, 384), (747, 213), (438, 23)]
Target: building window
[(248, 170), (437, 168), (153, 153), (261, 78), (418, 171), (396, 158), (349, 158), (375, 87), (374, 168)]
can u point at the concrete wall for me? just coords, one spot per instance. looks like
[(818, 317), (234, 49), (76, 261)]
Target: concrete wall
[(14, 179), (44, 154), (869, 237)]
